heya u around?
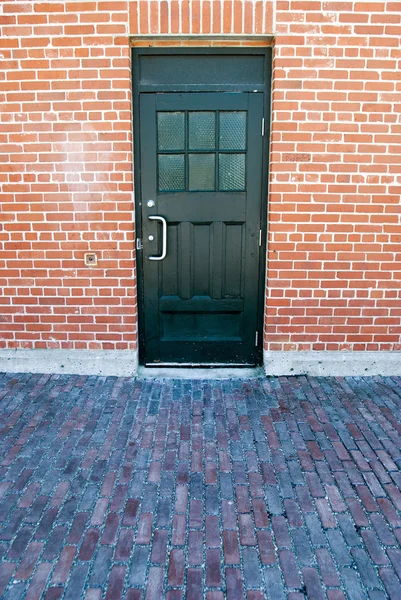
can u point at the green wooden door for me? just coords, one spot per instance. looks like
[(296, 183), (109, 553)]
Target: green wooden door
[(201, 166)]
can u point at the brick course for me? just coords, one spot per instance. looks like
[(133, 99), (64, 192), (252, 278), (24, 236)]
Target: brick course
[(333, 279)]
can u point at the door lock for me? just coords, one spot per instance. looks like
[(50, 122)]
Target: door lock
[(150, 203)]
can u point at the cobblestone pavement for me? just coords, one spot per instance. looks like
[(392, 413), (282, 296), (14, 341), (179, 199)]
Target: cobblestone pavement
[(148, 489)]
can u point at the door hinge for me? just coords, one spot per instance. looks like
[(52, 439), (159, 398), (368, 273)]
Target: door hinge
[(256, 338), (139, 244), (260, 237), (263, 126)]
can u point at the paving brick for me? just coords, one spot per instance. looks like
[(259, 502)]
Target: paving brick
[(195, 513), (194, 584), (230, 546), (63, 565), (273, 582), (389, 512), (20, 543), (55, 542), (246, 530), (289, 568), (349, 532), (228, 514), (391, 583), (339, 547), (89, 544), (28, 561), (242, 498), (179, 528), (395, 556), (6, 570), (38, 582), (131, 511), (324, 490), (212, 532), (213, 573), (293, 513), (256, 595), (144, 528), (316, 532), (383, 530), (101, 567), (235, 590), (252, 574), (260, 513), (373, 546), (93, 594), (366, 570), (327, 568), (302, 547), (312, 583), (159, 546), (367, 499), (176, 567), (53, 593), (326, 516), (116, 583), (195, 547), (281, 532), (352, 585), (139, 565), (357, 512), (77, 528)]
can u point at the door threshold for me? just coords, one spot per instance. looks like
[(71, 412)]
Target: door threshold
[(201, 372)]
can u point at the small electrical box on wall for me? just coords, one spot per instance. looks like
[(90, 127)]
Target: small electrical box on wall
[(90, 259)]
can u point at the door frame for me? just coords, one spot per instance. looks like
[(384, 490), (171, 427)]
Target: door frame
[(137, 53)]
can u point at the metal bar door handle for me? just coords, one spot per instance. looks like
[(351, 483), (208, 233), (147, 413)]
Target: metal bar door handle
[(164, 243)]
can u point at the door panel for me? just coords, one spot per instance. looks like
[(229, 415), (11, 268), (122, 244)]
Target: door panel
[(201, 161)]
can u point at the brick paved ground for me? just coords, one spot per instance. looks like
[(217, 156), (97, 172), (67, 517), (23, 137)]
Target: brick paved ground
[(269, 488)]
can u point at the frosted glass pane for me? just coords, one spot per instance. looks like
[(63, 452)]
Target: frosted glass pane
[(232, 172), (201, 172), (170, 130), (202, 131), (171, 172), (232, 132)]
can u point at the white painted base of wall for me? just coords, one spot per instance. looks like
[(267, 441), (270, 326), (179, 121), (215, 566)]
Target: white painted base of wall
[(121, 363), (331, 363), (199, 373)]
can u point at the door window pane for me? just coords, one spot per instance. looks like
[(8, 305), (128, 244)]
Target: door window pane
[(232, 172), (171, 172), (201, 172), (232, 131), (171, 130), (202, 130)]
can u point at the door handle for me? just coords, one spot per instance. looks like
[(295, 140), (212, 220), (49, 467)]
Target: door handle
[(164, 242)]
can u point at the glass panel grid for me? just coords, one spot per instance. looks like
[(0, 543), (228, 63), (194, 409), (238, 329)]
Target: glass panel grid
[(202, 168), (201, 130), (184, 166), (231, 172), (171, 172), (170, 131), (232, 130)]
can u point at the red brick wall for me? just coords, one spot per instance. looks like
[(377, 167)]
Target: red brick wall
[(66, 176), (334, 258), (66, 168)]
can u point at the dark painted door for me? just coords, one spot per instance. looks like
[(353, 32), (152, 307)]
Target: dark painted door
[(201, 166)]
